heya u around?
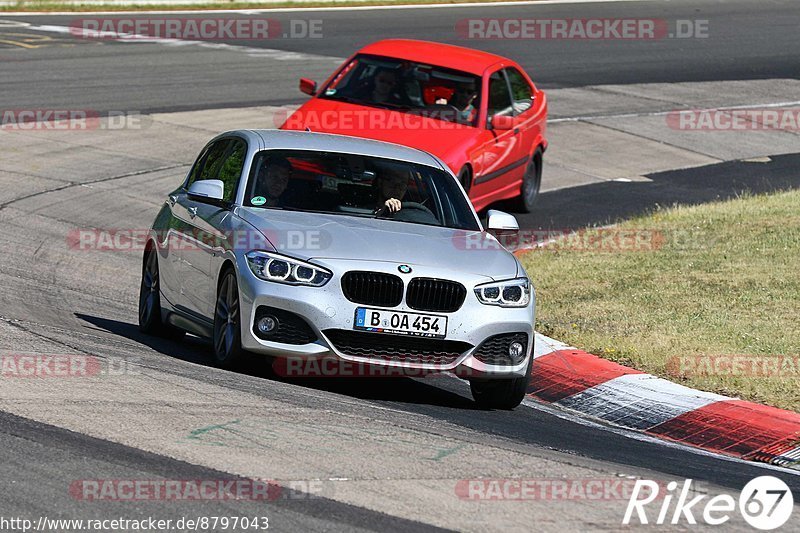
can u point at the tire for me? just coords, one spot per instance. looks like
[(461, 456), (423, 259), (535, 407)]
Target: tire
[(150, 318), (503, 394), (465, 178), (227, 337), (531, 183)]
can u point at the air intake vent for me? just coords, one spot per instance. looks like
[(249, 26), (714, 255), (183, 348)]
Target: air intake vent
[(397, 348)]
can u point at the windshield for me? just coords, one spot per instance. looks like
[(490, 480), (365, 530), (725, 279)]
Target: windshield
[(407, 86), (357, 185)]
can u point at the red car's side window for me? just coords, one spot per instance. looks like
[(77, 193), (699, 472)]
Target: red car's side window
[(499, 97), (521, 92)]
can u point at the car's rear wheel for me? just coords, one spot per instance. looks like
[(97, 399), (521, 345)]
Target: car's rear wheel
[(531, 183), (501, 393), (465, 177), (150, 319), (227, 337)]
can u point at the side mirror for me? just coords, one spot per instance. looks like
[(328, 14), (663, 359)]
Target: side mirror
[(206, 190), (308, 86), (500, 222), (502, 122)]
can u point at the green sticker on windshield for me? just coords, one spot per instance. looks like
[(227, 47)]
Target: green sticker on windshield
[(258, 200)]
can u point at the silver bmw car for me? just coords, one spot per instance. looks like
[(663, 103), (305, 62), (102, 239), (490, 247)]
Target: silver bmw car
[(304, 247)]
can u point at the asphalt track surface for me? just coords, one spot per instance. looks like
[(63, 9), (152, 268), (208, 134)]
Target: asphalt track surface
[(752, 40), (747, 40)]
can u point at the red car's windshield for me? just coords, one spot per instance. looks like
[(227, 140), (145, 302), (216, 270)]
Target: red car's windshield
[(407, 86)]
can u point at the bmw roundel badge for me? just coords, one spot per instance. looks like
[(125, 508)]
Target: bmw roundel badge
[(404, 269)]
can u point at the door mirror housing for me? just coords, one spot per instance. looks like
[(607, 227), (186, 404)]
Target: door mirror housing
[(308, 86), (502, 122), (500, 222), (207, 190)]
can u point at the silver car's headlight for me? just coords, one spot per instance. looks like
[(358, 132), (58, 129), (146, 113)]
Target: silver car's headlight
[(270, 266), (510, 293)]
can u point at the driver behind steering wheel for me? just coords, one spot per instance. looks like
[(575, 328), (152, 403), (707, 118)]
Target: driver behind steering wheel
[(391, 186), (462, 99)]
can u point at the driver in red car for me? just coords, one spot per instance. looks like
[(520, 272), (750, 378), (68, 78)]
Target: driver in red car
[(382, 88), (462, 99)]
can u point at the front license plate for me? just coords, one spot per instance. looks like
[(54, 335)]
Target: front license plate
[(399, 322)]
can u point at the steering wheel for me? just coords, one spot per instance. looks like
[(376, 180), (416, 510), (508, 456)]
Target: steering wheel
[(418, 207), (405, 206)]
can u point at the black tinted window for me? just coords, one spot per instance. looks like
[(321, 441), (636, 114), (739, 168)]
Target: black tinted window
[(499, 99), (520, 91), (409, 87), (355, 185), (214, 160), (197, 167), (231, 168)]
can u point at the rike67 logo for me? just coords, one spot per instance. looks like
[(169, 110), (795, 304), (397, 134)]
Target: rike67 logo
[(765, 503)]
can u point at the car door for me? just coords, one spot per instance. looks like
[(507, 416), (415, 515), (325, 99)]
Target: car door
[(170, 259), (206, 218), (497, 161)]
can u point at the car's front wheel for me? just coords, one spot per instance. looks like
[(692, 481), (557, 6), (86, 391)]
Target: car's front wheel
[(465, 177), (501, 393), (227, 322), (150, 320), (531, 183)]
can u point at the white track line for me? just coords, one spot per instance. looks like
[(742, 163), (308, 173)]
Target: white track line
[(664, 113), (250, 11), (267, 53)]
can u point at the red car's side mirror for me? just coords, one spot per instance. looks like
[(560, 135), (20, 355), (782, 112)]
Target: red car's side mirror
[(308, 86), (502, 122)]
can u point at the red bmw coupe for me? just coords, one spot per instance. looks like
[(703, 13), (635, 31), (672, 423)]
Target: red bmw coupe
[(478, 112)]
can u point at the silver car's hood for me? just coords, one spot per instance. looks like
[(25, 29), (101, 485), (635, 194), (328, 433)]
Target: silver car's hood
[(317, 236)]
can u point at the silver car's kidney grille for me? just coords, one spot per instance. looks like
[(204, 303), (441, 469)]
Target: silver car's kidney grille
[(373, 288), (396, 348), (429, 294)]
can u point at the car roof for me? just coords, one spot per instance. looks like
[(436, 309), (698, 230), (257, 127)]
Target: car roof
[(303, 140), (455, 57)]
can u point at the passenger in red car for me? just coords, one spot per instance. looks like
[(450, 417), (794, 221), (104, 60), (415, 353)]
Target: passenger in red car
[(462, 99)]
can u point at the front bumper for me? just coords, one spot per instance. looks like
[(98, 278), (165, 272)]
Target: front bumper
[(326, 308)]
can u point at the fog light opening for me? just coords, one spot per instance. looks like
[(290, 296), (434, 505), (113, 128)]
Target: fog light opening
[(267, 325), (515, 350)]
